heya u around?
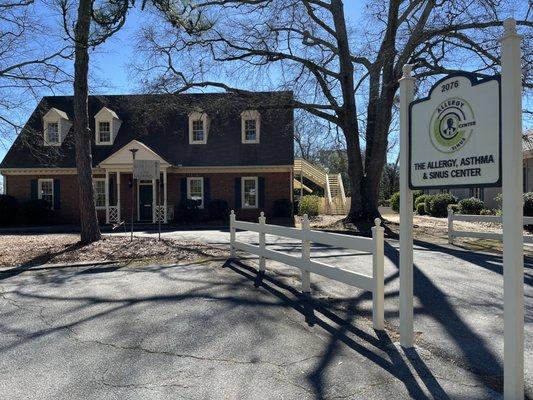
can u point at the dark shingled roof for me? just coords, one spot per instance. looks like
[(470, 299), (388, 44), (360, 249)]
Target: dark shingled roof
[(161, 122)]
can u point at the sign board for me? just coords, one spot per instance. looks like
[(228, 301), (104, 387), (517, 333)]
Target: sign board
[(146, 169), (455, 134)]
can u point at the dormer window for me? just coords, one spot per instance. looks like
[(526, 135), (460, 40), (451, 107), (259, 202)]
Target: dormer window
[(104, 132), (52, 132), (198, 128), (107, 124), (55, 126), (251, 125)]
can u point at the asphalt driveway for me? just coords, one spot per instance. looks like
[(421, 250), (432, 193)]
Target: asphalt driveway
[(219, 330)]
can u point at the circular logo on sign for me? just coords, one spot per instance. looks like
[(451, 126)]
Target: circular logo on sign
[(451, 125)]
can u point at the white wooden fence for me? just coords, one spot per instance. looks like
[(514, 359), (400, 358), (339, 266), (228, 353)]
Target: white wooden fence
[(374, 245), (497, 219)]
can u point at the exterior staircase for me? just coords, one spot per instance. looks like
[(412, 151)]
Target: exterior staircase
[(335, 198)]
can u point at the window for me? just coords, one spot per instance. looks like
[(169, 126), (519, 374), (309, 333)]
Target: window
[(52, 129), (249, 192), (198, 127), (197, 130), (46, 191), (104, 132), (477, 193), (99, 192), (195, 190), (445, 191), (251, 124)]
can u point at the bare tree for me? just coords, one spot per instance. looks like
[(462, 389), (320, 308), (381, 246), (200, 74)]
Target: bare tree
[(31, 63), (345, 74)]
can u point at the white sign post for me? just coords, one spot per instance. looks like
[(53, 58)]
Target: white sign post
[(453, 138), (513, 250)]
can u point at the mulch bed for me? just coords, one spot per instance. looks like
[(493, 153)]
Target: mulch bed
[(17, 250)]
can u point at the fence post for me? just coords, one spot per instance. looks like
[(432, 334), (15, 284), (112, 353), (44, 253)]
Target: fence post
[(262, 221), (232, 234), (450, 225), (306, 254), (378, 294)]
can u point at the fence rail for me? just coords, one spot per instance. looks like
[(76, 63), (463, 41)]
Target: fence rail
[(497, 219), (374, 245)]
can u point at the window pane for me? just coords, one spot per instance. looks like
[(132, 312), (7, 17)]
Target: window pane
[(250, 131), (47, 192), (104, 132), (99, 193), (196, 191), (198, 130), (53, 132), (250, 193)]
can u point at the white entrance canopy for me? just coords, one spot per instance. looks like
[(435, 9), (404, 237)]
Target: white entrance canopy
[(122, 159)]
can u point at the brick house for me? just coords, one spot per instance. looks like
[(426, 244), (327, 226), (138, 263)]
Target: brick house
[(237, 148)]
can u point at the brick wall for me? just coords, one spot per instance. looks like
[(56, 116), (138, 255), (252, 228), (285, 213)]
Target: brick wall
[(277, 186)]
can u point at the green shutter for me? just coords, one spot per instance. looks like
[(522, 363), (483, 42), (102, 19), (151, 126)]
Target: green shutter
[(33, 189), (57, 194), (238, 202)]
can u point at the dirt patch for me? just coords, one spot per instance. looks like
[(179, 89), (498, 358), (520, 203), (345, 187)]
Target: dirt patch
[(16, 250)]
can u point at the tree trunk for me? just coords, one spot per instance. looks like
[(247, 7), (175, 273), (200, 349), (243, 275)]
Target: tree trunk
[(90, 231)]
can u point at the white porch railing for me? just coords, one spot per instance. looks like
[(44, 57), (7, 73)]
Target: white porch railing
[(114, 214), (375, 246), (160, 214), (497, 219)]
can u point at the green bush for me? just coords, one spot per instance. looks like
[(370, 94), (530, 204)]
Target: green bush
[(427, 203), (218, 210), (528, 204), (309, 205), (487, 212), (282, 208), (471, 206), (438, 205), (35, 212), (395, 202), (9, 207), (420, 209), (454, 208), (187, 211), (421, 200), (498, 199)]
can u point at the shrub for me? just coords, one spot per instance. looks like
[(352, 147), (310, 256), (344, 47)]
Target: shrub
[(35, 212), (487, 212), (9, 206), (528, 204), (309, 205), (438, 205), (187, 211), (395, 202), (282, 208), (218, 210), (498, 199), (427, 203), (421, 209), (454, 208), (421, 200), (471, 206)]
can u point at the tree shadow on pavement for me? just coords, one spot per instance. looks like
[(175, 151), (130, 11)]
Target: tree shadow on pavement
[(340, 325)]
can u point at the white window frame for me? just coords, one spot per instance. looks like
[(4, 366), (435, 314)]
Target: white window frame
[(100, 142), (195, 178), (256, 180), (247, 115), (47, 136), (198, 116), (40, 190), (94, 189)]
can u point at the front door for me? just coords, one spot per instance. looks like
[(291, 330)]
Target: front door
[(145, 202)]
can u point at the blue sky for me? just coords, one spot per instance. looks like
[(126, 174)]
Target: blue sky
[(109, 63)]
